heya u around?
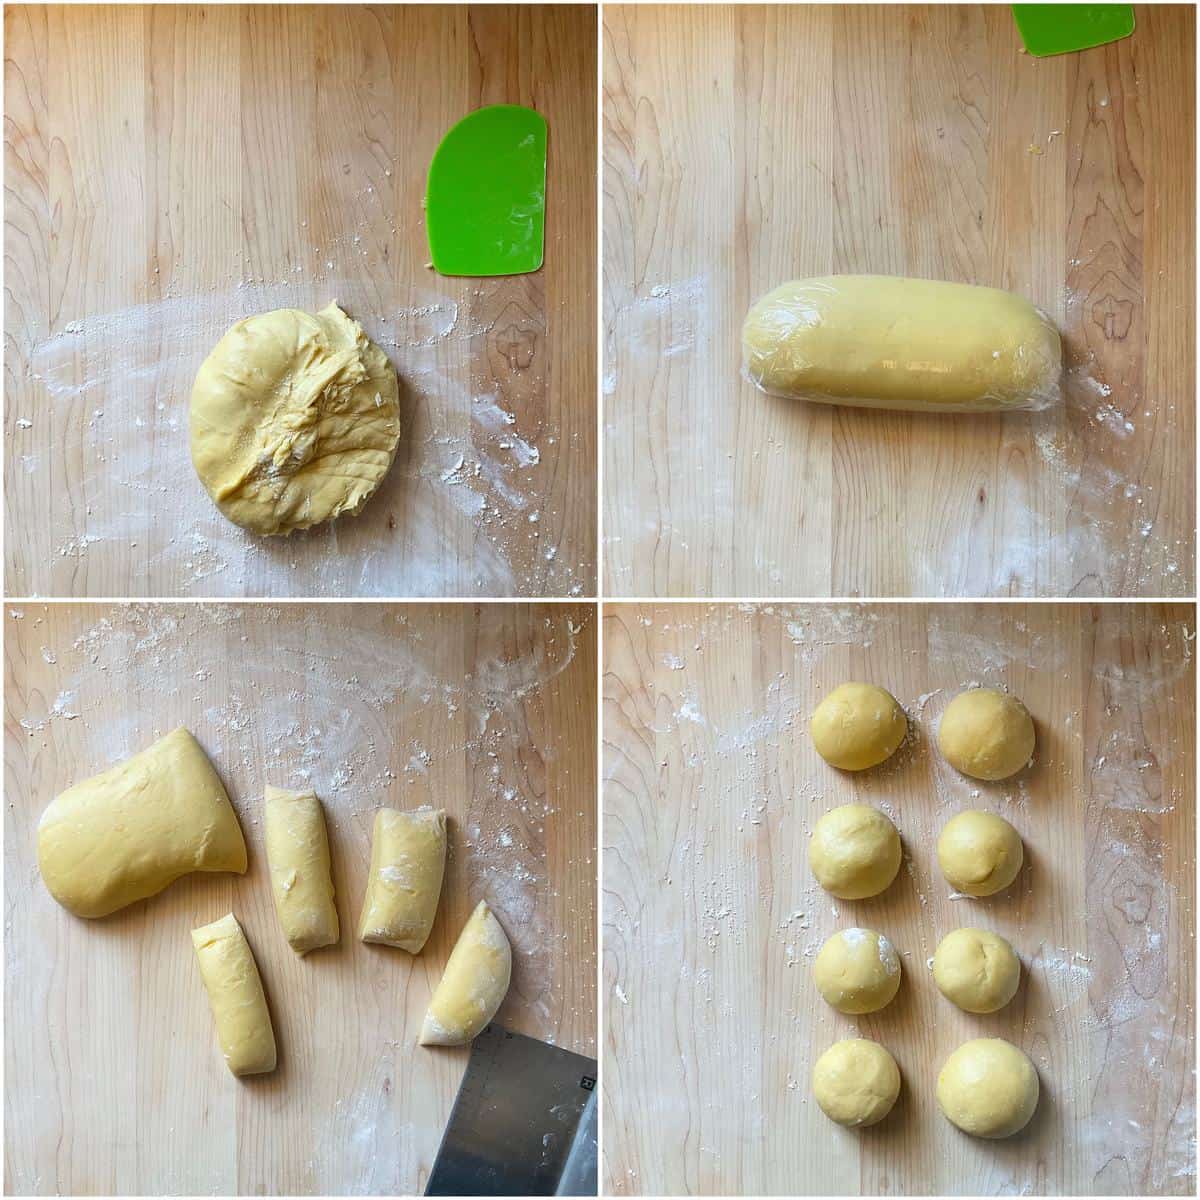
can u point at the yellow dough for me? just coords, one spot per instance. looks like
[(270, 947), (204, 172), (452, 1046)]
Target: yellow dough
[(473, 985), (986, 734), (408, 859), (295, 419), (857, 971), (128, 832), (235, 993), (301, 878), (879, 341), (858, 725), (977, 970), (979, 853), (855, 852), (856, 1082), (988, 1088)]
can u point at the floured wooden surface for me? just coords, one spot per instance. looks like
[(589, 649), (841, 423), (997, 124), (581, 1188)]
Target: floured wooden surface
[(115, 1083), (172, 170), (745, 146), (712, 918)]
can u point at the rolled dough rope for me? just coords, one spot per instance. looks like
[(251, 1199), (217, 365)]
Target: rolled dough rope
[(922, 345), (235, 993), (408, 859), (129, 832), (298, 854), (473, 985)]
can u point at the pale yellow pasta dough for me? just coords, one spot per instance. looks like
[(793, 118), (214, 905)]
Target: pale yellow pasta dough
[(235, 993), (857, 971), (988, 1088), (295, 419), (473, 985), (408, 859), (128, 832), (986, 734), (979, 853), (976, 969), (858, 725), (924, 345), (856, 1082), (301, 877), (855, 852)]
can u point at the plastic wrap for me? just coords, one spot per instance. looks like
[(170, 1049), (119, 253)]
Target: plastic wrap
[(920, 345)]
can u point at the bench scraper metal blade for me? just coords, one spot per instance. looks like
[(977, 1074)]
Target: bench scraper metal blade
[(523, 1123)]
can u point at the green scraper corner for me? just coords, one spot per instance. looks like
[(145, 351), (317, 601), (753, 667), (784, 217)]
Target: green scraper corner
[(1061, 28), (485, 199)]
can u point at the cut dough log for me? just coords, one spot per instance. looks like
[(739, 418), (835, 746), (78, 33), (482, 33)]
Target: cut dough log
[(131, 831), (235, 992), (473, 985), (408, 859), (298, 854), (878, 341)]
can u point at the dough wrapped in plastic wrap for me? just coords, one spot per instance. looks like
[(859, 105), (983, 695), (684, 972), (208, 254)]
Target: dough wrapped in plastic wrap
[(919, 345)]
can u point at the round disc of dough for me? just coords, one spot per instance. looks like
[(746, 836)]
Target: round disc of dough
[(295, 419), (979, 853), (986, 734), (976, 969), (855, 852), (857, 971), (858, 725), (988, 1088), (856, 1082)]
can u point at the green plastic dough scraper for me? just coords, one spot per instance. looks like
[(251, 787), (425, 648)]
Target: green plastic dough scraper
[(1061, 28), (485, 198)]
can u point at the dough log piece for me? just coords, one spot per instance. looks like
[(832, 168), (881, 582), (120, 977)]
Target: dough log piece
[(878, 341), (408, 859), (857, 971), (988, 1088), (473, 985), (858, 725), (295, 420), (856, 1082), (129, 832), (301, 877), (235, 993), (855, 852), (986, 734)]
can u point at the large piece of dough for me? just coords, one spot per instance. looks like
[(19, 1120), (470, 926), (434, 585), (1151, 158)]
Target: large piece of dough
[(235, 992), (878, 341), (298, 854), (129, 832), (408, 859), (473, 985)]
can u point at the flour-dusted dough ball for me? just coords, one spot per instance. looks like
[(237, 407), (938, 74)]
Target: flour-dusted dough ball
[(858, 725), (977, 970), (988, 1088), (979, 853), (857, 971), (986, 734), (295, 420), (854, 852), (856, 1082)]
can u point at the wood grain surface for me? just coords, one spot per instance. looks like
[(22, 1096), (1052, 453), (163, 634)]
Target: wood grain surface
[(114, 1080), (744, 146), (172, 169), (711, 916)]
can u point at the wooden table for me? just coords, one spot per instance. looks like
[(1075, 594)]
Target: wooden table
[(173, 169), (745, 146), (712, 918), (114, 1081)]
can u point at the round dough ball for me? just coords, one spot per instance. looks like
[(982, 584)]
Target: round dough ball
[(988, 1088), (986, 734), (979, 853), (857, 971), (858, 725), (854, 852), (976, 969), (295, 419), (856, 1082)]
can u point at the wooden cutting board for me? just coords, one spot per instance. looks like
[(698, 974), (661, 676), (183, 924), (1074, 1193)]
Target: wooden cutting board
[(114, 1081), (712, 917), (173, 169), (745, 146)]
